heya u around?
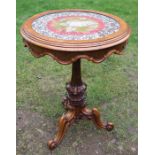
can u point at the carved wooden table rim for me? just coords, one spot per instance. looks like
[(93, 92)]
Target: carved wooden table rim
[(70, 51)]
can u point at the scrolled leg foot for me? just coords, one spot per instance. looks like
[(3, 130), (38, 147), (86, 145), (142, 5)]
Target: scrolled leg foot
[(109, 126), (97, 120), (94, 115), (64, 123), (52, 144)]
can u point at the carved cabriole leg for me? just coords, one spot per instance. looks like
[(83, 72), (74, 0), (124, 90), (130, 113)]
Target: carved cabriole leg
[(94, 115), (64, 123)]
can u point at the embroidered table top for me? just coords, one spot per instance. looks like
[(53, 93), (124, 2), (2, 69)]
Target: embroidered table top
[(74, 25)]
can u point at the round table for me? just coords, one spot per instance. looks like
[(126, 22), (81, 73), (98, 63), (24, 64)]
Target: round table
[(68, 36)]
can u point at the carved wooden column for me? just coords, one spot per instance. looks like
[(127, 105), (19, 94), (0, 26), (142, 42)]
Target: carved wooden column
[(75, 105), (75, 88)]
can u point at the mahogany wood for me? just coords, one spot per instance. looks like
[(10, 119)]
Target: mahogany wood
[(75, 45), (71, 52), (67, 119), (75, 105)]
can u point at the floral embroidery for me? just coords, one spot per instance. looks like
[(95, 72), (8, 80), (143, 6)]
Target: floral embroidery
[(75, 25)]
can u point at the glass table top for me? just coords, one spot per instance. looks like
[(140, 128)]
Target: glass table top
[(75, 25)]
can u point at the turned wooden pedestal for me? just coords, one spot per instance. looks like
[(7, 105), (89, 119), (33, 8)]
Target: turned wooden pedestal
[(69, 36), (75, 104)]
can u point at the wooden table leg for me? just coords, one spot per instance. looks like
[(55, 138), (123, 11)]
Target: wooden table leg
[(64, 123), (94, 115)]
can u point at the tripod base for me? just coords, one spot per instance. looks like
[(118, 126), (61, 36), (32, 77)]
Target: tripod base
[(75, 105), (77, 113)]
